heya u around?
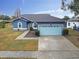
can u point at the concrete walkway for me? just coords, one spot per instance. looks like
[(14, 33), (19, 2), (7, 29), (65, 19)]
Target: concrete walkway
[(22, 37)]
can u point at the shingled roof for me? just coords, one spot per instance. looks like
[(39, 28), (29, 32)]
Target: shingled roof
[(42, 18)]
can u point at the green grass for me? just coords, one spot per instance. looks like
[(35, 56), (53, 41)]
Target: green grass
[(8, 42), (73, 37), (2, 24)]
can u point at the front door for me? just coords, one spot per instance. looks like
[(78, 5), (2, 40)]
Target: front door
[(19, 25)]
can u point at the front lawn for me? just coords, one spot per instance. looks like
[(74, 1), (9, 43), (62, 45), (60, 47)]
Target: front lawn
[(73, 37), (8, 42)]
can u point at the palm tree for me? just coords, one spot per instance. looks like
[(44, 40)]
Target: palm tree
[(18, 13)]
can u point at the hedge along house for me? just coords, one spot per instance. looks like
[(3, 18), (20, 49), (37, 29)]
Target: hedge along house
[(45, 23)]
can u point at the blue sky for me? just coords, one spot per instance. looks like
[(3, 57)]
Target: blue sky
[(52, 7)]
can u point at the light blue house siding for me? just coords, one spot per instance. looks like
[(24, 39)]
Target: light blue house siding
[(20, 24)]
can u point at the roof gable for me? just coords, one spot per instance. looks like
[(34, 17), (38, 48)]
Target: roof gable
[(74, 19), (21, 18)]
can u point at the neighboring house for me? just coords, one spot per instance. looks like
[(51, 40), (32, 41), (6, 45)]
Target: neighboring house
[(45, 23), (1, 20), (71, 23)]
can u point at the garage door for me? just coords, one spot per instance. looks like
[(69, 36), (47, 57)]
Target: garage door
[(56, 29)]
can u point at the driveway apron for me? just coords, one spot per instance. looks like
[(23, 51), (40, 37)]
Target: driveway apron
[(55, 43)]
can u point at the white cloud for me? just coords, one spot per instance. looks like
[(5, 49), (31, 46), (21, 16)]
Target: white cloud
[(57, 13)]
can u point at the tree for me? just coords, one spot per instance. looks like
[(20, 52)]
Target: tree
[(4, 17), (1, 17), (73, 5), (2, 24), (66, 18), (13, 17)]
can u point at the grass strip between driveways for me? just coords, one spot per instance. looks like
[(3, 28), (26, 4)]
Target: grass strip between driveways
[(73, 37)]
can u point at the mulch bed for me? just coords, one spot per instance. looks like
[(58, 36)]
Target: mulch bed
[(30, 34), (77, 39)]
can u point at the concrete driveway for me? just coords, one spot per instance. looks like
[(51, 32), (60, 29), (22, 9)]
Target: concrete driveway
[(55, 43)]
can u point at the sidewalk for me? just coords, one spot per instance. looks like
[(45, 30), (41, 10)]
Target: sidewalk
[(18, 54), (56, 54)]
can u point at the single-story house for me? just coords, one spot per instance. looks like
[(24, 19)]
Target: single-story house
[(71, 23), (45, 23)]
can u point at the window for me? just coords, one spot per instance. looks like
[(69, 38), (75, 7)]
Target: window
[(68, 24), (74, 23), (35, 24)]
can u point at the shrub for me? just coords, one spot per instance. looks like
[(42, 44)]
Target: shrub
[(2, 24), (65, 32), (31, 29), (37, 33), (77, 28)]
